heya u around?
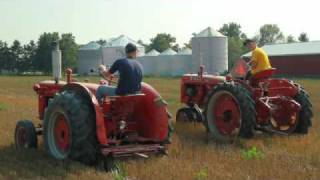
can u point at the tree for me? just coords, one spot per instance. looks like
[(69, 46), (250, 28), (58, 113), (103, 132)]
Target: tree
[(15, 57), (162, 42), (235, 50), (142, 43), (43, 60), (235, 41), (3, 51), (188, 44), (270, 33), (69, 50), (232, 30), (101, 42), (28, 58), (290, 39), (303, 37)]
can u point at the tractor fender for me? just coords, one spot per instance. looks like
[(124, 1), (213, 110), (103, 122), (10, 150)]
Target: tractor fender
[(83, 90), (153, 114)]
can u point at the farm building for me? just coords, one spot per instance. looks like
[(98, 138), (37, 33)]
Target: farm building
[(296, 59), (91, 55), (167, 63), (209, 49)]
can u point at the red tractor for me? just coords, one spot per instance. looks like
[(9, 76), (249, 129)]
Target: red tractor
[(74, 125), (231, 106)]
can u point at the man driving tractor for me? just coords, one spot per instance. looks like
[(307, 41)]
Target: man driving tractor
[(130, 75), (259, 59)]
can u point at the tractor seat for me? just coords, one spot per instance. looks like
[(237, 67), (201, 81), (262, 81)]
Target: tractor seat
[(264, 74)]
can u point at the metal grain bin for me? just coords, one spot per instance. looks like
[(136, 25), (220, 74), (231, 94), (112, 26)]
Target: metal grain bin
[(210, 48)]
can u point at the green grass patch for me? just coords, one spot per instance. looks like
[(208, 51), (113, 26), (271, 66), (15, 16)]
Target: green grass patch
[(3, 107), (120, 173), (202, 174), (252, 153)]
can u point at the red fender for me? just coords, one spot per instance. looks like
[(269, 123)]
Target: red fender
[(83, 88), (152, 113)]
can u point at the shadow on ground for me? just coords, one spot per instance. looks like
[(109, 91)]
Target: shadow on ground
[(34, 164)]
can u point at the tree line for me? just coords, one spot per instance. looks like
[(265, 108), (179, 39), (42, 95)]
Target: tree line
[(36, 56)]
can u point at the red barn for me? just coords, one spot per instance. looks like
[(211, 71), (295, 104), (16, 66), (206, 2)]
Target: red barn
[(296, 59)]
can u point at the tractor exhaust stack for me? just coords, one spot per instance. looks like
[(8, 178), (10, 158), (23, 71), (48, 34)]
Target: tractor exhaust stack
[(56, 62)]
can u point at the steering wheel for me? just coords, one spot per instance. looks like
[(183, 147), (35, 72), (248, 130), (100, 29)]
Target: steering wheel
[(102, 69), (111, 80)]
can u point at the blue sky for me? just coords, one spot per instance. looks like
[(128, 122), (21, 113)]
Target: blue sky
[(142, 19)]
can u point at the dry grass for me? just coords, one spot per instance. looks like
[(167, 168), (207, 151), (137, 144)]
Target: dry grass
[(190, 156)]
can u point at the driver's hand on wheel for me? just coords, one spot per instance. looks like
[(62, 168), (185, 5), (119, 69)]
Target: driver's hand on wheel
[(102, 68)]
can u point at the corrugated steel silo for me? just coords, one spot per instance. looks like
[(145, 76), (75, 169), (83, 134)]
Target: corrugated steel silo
[(149, 64), (210, 48), (89, 58)]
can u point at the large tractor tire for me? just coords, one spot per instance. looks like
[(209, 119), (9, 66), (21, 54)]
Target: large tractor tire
[(305, 114), (69, 128), (25, 135), (170, 130), (229, 113)]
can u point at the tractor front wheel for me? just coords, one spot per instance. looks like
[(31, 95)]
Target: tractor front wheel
[(69, 128), (230, 112), (25, 135)]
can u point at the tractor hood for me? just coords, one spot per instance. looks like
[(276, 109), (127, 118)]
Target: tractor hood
[(205, 78)]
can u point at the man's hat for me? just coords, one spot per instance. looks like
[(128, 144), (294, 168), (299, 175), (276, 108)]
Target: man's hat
[(130, 48), (247, 41)]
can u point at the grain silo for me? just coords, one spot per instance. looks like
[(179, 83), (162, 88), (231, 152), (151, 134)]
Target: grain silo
[(210, 48), (163, 62), (115, 49), (153, 52), (185, 51), (89, 58), (167, 52)]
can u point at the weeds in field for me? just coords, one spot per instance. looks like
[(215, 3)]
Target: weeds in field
[(202, 174), (252, 153), (120, 173), (2, 107)]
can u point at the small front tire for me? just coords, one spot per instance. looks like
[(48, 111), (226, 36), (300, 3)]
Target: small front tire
[(25, 135)]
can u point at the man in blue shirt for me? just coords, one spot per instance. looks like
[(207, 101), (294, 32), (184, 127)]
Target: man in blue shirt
[(130, 75)]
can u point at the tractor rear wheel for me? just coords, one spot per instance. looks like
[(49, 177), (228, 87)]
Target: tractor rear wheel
[(305, 114), (230, 112), (25, 135), (69, 128)]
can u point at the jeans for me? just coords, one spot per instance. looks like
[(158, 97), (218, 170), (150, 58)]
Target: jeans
[(105, 90)]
